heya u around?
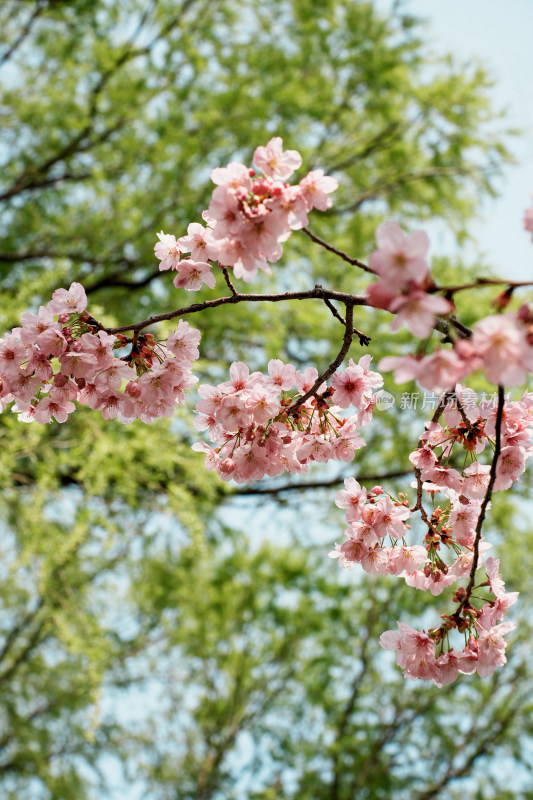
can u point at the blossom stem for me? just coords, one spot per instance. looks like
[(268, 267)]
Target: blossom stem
[(486, 500)]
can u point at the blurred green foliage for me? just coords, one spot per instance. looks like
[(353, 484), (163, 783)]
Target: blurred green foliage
[(144, 645)]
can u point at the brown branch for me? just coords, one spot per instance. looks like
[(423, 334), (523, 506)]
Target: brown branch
[(345, 257), (318, 292), (335, 364), (228, 280), (486, 501), (334, 311)]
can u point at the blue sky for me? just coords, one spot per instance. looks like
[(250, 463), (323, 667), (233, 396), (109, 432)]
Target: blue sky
[(500, 35)]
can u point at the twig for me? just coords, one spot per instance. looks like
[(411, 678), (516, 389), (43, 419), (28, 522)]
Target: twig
[(486, 501), (227, 278), (334, 311), (364, 340), (337, 361), (345, 257)]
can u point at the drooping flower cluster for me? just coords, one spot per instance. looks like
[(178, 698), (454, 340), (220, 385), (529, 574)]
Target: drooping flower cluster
[(400, 263), (483, 652), (260, 427), (375, 518), (248, 219), (377, 531), (61, 354)]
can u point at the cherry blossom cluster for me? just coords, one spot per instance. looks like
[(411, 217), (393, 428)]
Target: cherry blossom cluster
[(248, 219), (62, 354), (264, 425), (376, 536), (501, 346), (400, 262), (483, 652)]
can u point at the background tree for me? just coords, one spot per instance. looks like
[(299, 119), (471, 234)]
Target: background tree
[(117, 581)]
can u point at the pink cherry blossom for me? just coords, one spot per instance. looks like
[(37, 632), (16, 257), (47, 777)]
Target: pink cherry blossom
[(167, 250), (235, 175), (400, 258), (352, 498), (192, 274), (351, 387), (501, 342), (48, 408), (316, 188), (198, 242), (276, 163), (34, 324), (183, 342), (71, 301), (417, 310)]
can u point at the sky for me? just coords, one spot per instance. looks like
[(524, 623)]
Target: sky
[(500, 35)]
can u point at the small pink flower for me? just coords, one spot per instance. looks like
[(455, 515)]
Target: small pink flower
[(316, 188), (73, 301), (167, 250), (352, 498), (48, 408), (501, 342), (400, 258), (276, 163), (235, 175), (192, 274), (183, 342), (417, 311), (351, 387), (198, 242)]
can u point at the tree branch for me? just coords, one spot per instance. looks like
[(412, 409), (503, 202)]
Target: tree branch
[(486, 501), (24, 32), (335, 364), (345, 257), (318, 293)]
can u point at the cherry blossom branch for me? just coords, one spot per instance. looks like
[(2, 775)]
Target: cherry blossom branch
[(334, 311), (345, 257), (486, 501), (364, 339), (335, 364), (318, 292), (228, 280)]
